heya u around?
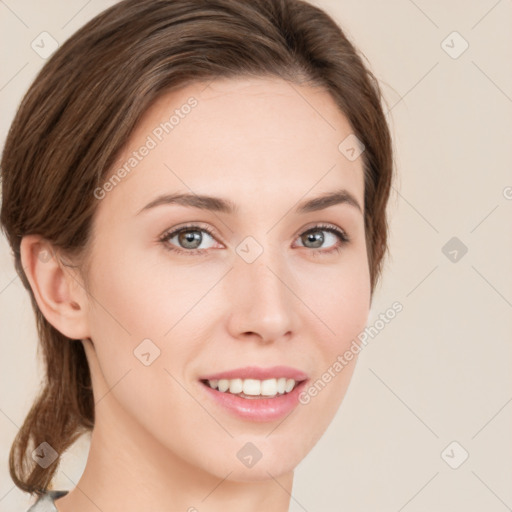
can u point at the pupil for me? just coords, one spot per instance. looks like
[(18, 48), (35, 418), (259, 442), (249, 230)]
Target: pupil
[(190, 237), (319, 236)]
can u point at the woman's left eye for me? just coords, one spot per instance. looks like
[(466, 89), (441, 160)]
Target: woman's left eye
[(191, 237), (316, 237)]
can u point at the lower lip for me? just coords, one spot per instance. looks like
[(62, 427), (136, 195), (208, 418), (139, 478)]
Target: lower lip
[(257, 409)]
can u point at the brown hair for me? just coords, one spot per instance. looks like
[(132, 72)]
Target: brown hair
[(80, 111)]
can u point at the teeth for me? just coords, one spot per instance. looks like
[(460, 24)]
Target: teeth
[(290, 384), (223, 385), (236, 386), (254, 387)]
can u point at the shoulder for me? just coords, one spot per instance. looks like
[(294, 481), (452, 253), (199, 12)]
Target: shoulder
[(46, 502)]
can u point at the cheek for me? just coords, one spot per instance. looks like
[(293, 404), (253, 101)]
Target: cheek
[(347, 306), (130, 299), (340, 301), (338, 296)]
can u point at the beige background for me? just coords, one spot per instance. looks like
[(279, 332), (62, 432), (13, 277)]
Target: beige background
[(441, 370)]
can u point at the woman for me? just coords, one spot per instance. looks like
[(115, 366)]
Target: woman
[(195, 195)]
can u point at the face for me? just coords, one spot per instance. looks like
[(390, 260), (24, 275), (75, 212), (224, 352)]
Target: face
[(181, 292)]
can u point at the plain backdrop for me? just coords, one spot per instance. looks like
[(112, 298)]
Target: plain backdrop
[(426, 423)]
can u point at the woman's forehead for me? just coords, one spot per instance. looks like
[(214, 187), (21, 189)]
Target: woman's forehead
[(258, 133)]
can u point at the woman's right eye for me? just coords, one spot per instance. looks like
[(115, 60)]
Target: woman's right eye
[(189, 236)]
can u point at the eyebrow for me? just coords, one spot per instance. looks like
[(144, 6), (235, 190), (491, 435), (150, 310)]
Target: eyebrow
[(218, 204)]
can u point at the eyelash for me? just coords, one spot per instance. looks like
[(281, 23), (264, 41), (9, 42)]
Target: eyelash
[(342, 236)]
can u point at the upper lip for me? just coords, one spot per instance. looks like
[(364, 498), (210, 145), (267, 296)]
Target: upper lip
[(258, 373)]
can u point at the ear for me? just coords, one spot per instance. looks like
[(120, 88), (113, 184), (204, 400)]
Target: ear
[(57, 288)]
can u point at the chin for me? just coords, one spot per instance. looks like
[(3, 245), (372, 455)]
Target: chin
[(249, 465), (259, 472)]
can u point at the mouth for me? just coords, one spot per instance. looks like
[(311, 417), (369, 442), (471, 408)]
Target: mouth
[(254, 389), (253, 399)]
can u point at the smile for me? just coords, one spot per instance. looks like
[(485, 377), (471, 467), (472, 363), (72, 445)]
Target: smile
[(254, 388), (254, 407)]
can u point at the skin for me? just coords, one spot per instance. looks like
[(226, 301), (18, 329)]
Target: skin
[(159, 441)]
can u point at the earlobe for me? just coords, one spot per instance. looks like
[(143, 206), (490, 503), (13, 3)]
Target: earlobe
[(60, 296)]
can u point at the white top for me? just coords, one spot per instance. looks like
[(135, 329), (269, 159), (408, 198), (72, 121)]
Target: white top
[(46, 502)]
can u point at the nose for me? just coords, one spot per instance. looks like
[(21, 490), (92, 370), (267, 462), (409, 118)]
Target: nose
[(263, 305)]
